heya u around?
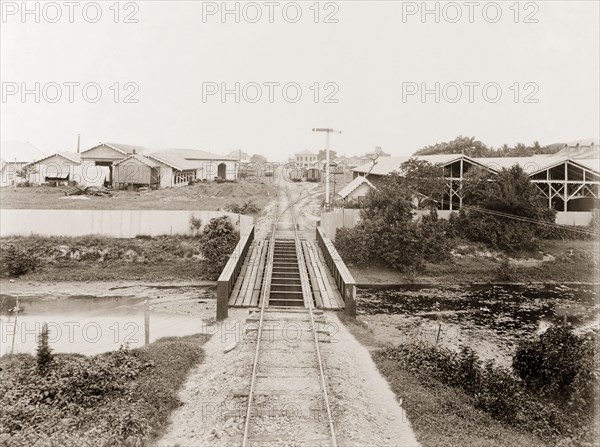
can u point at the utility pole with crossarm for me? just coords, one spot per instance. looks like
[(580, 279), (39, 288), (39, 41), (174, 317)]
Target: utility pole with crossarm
[(328, 131)]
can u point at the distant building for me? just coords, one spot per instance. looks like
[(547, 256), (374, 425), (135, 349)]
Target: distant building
[(97, 162), (568, 183), (581, 149), (305, 158), (14, 155), (357, 188), (56, 169), (136, 171), (178, 167)]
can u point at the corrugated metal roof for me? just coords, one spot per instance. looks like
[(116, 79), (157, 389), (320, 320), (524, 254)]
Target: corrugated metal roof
[(125, 149), (351, 187), (142, 159), (531, 165), (387, 165), (186, 159), (73, 157)]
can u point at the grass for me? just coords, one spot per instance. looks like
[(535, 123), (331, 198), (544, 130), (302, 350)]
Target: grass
[(121, 398), (443, 416), (200, 196)]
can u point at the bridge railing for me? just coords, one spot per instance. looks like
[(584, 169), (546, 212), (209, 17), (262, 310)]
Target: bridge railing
[(343, 278), (230, 273)]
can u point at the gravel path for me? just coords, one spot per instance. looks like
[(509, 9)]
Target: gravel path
[(365, 410)]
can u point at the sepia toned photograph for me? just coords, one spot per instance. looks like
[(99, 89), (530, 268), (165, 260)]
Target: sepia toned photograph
[(300, 223)]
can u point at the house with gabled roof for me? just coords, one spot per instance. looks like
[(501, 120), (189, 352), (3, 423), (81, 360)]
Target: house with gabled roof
[(359, 187), (97, 162), (179, 167), (58, 168)]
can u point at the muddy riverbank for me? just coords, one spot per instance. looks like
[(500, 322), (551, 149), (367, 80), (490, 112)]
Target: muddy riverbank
[(490, 318)]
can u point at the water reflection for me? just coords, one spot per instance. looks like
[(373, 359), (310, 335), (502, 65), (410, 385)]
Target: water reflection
[(85, 325)]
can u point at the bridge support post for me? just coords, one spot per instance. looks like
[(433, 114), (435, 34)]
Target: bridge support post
[(350, 301), (222, 300)]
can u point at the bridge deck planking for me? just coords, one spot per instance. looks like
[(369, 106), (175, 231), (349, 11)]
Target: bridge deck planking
[(313, 278), (319, 283), (335, 298), (233, 299), (247, 289), (260, 275)]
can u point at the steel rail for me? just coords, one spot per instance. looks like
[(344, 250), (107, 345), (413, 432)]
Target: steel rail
[(306, 291), (264, 299)]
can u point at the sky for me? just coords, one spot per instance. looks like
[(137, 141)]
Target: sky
[(382, 73)]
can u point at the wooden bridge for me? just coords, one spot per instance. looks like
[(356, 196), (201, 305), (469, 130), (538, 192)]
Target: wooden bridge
[(244, 278)]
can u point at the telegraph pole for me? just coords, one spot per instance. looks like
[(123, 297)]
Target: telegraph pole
[(328, 131)]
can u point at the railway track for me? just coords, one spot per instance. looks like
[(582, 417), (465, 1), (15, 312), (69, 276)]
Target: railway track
[(287, 403)]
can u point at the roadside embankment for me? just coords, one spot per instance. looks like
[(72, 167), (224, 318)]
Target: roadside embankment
[(121, 398)]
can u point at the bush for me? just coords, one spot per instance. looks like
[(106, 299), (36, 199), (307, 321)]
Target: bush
[(550, 391), (401, 244), (44, 352), (506, 271), (121, 398), (353, 245), (559, 364), (218, 242), (16, 261), (248, 207)]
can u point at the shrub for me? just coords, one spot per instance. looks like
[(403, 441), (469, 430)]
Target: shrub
[(248, 207), (559, 364), (17, 261), (550, 390), (506, 271), (44, 352), (353, 245), (218, 242)]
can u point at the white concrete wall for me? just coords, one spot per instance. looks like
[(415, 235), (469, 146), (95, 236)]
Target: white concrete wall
[(579, 218), (339, 218), (114, 223)]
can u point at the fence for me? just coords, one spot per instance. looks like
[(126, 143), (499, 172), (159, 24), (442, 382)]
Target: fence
[(230, 273), (343, 278), (112, 223)]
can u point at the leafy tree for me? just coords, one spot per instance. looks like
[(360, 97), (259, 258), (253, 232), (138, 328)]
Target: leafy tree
[(460, 145), (424, 179), (258, 159), (509, 192), (388, 234), (322, 155)]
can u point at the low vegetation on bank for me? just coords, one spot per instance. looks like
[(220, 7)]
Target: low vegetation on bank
[(506, 216), (547, 397), (120, 398), (97, 258)]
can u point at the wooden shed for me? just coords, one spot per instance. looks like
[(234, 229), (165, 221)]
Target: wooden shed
[(136, 171), (97, 162)]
